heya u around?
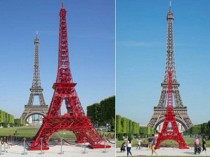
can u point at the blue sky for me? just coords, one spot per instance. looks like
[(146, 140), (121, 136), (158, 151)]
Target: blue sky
[(141, 56), (91, 44)]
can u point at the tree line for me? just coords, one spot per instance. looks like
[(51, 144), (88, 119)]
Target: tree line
[(200, 129), (146, 131), (8, 120), (103, 113), (128, 128)]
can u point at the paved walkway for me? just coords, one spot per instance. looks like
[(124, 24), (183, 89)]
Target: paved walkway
[(69, 151), (163, 152)]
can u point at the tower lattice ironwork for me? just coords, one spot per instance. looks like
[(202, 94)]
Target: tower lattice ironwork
[(64, 90), (179, 109), (170, 129), (36, 90)]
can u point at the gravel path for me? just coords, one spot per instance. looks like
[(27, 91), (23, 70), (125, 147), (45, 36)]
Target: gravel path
[(69, 151), (163, 152)]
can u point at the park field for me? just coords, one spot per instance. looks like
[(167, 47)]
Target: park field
[(167, 143), (29, 132)]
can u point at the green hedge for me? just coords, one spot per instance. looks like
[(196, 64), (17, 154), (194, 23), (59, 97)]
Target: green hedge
[(103, 113), (125, 126), (146, 131), (18, 122), (118, 124), (6, 119), (94, 112)]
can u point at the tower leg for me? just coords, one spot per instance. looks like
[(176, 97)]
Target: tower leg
[(81, 127)]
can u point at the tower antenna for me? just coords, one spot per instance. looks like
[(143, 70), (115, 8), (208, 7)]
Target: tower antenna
[(62, 3), (37, 34), (169, 4)]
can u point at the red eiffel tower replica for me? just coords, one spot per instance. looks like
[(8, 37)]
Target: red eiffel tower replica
[(170, 118), (64, 90)]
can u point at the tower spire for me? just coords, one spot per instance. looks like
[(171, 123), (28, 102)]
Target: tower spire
[(64, 74), (169, 5), (36, 78), (62, 3), (170, 61)]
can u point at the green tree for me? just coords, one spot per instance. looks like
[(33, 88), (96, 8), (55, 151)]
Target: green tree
[(146, 131), (118, 124), (130, 122), (124, 125), (94, 112), (108, 109), (103, 113), (196, 130), (18, 122)]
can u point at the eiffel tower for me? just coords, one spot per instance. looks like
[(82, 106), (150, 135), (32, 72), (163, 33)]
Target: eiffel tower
[(179, 109), (64, 91), (36, 90)]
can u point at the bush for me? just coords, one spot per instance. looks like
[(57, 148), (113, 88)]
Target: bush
[(120, 136)]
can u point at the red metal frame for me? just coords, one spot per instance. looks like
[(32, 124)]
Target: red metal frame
[(174, 134), (64, 90)]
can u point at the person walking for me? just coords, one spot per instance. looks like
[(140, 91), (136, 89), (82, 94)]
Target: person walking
[(204, 143), (139, 144), (197, 148), (149, 142), (153, 143), (123, 146), (129, 148)]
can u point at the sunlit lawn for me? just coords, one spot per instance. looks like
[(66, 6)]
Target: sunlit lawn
[(168, 143), (30, 132)]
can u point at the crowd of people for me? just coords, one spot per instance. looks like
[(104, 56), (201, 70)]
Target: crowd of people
[(126, 146), (151, 145)]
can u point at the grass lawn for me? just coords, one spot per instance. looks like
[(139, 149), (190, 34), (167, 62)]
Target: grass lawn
[(20, 131), (167, 143), (30, 132)]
